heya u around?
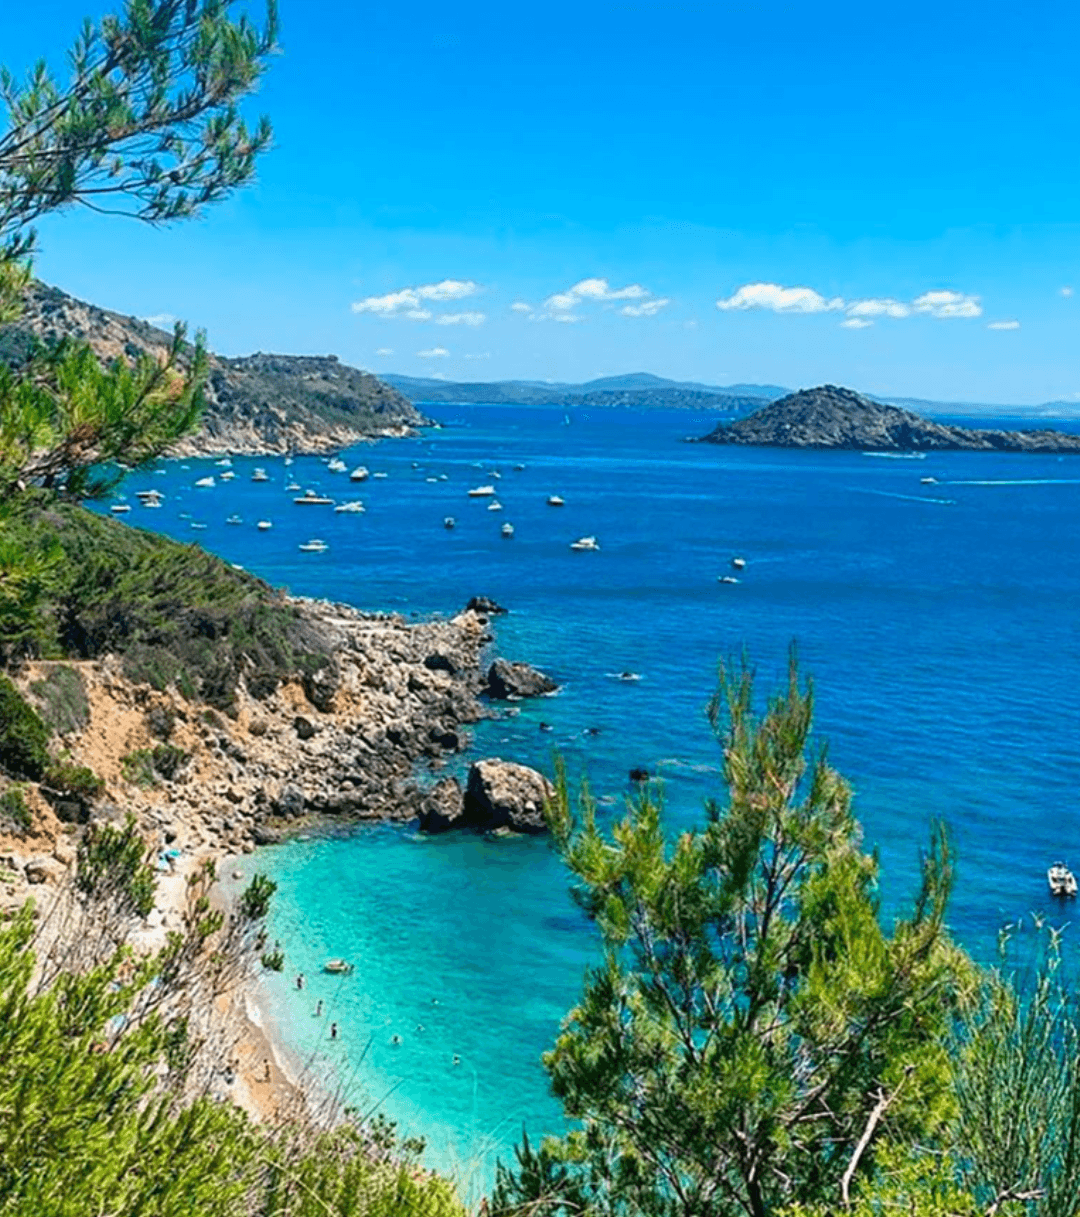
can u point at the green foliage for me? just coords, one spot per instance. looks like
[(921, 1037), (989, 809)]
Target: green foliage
[(64, 414), (86, 1127), (61, 694), (67, 778), (146, 123), (175, 613), (751, 1014), (24, 737), (115, 864), (146, 766), (13, 808)]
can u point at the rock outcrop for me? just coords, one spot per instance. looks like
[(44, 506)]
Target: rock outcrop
[(503, 794), (506, 680), (833, 417), (254, 403)]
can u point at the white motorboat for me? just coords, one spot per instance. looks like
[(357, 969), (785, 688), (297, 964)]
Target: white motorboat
[(119, 508), (507, 530), (224, 463), (293, 487), (585, 543), (448, 522), (227, 476), (359, 474), (206, 481), (494, 505), (353, 507), (198, 527), (150, 502), (234, 520), (739, 563), (260, 475), (263, 525), (928, 481), (1061, 880), (481, 492), (726, 579), (380, 475), (314, 546), (310, 499), (555, 500), (147, 494)]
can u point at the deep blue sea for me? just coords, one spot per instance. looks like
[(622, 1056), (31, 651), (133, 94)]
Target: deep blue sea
[(939, 621)]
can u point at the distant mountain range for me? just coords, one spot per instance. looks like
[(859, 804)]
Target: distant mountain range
[(633, 389), (645, 389)]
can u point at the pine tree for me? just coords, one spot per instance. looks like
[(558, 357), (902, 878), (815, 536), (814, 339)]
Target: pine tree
[(752, 1020)]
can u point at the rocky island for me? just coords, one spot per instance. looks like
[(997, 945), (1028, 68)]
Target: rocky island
[(834, 417)]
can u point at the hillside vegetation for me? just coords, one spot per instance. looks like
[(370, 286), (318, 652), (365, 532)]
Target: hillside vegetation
[(254, 403), (174, 613)]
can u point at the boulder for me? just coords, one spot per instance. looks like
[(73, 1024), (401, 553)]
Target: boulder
[(442, 807), (304, 727), (506, 679), (320, 687), (44, 870), (503, 794)]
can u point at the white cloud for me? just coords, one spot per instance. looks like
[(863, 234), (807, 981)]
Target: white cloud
[(385, 351), (948, 304), (855, 323), (1065, 291), (559, 306), (885, 307), (566, 318), (408, 300), (1003, 325), (779, 299), (520, 306), (647, 309), (434, 353), (461, 319), (164, 321), (481, 355)]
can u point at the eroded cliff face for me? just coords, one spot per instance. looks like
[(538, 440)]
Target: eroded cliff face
[(254, 404), (346, 739), (834, 417)]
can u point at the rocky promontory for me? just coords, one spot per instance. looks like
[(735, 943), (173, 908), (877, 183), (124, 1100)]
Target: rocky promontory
[(834, 417), (254, 403)]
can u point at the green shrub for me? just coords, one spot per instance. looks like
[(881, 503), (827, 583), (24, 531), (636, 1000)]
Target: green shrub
[(67, 778), (62, 694), (145, 766), (14, 809), (116, 861), (24, 737)]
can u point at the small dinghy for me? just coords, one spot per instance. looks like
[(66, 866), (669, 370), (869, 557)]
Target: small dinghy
[(314, 546), (1061, 880), (337, 967), (507, 531), (448, 522)]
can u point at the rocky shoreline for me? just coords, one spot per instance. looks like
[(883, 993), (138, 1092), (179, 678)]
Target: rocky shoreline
[(348, 740)]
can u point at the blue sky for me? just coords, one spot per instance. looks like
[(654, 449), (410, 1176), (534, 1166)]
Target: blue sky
[(884, 196)]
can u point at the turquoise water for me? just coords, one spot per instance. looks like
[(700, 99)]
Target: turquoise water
[(939, 621)]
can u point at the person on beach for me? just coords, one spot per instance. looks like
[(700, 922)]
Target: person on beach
[(318, 1008), (300, 980), (266, 1069), (333, 1031)]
